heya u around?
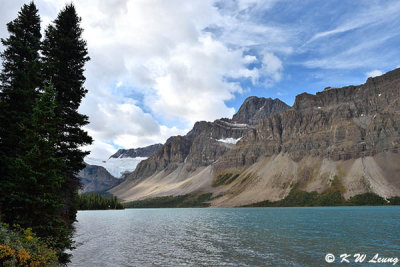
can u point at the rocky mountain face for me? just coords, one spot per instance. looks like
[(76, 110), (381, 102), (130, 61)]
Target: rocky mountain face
[(137, 152), (337, 123), (254, 109), (348, 136), (207, 141), (97, 179)]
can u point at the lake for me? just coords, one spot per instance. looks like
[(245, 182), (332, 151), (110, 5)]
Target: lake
[(236, 236)]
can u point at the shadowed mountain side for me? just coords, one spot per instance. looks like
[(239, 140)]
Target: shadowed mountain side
[(96, 179)]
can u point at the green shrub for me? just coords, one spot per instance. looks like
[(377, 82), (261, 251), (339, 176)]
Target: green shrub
[(298, 198), (394, 201), (367, 199), (330, 198)]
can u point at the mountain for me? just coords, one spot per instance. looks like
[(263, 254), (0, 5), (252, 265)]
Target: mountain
[(96, 179), (346, 138), (124, 161), (254, 109), (202, 146), (137, 152), (205, 143)]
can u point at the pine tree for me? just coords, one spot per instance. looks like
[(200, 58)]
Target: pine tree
[(37, 200), (65, 54), (40, 129), (20, 78)]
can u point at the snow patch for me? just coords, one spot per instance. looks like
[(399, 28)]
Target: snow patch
[(237, 125), (229, 140), (116, 166)]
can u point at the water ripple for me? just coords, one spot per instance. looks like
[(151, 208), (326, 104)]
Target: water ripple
[(233, 236)]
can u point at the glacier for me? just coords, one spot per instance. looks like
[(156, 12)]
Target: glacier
[(116, 166)]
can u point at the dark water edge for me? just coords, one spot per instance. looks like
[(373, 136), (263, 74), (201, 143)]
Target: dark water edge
[(277, 236)]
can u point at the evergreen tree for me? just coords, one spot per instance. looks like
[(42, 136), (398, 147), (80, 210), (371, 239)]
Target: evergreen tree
[(95, 201), (20, 78), (40, 127), (64, 55), (37, 201)]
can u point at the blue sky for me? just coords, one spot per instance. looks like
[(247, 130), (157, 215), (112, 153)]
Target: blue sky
[(159, 66), (335, 43)]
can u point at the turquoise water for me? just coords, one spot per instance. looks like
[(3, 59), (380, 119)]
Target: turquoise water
[(235, 236)]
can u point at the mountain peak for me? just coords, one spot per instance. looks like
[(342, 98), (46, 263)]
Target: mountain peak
[(255, 108)]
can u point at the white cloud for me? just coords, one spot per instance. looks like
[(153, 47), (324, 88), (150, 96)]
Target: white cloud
[(158, 66), (100, 150), (123, 124), (192, 83), (161, 52), (272, 67), (364, 30), (127, 140), (353, 56), (182, 71), (374, 73), (373, 15)]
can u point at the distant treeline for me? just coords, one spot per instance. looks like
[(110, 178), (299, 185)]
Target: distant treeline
[(184, 201), (298, 198), (96, 201)]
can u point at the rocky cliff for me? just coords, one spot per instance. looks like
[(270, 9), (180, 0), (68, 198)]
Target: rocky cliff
[(254, 109), (96, 179), (346, 135), (207, 141), (337, 123), (143, 152)]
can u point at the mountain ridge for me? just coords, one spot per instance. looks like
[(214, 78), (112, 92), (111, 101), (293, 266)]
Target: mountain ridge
[(200, 145), (146, 152), (349, 133)]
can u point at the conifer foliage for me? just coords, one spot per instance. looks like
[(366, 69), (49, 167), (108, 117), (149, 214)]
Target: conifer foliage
[(19, 78), (40, 130), (65, 54)]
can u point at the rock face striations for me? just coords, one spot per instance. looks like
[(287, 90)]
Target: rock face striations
[(337, 124), (207, 141), (348, 135), (254, 109)]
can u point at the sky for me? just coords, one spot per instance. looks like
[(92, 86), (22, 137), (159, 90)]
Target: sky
[(159, 66)]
